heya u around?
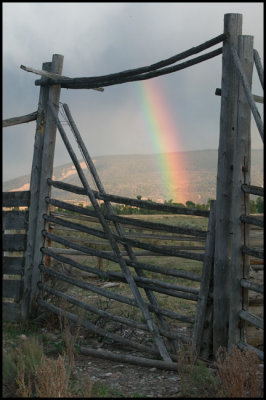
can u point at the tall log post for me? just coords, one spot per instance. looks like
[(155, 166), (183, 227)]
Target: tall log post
[(42, 169), (241, 175), (34, 196), (223, 234)]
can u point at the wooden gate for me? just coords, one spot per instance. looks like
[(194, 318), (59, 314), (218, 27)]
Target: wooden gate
[(88, 263)]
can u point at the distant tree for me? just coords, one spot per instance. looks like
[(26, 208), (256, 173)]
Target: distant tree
[(252, 207), (139, 197), (190, 204), (260, 205)]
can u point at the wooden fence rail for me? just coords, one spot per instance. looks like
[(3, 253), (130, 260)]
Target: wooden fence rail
[(13, 264)]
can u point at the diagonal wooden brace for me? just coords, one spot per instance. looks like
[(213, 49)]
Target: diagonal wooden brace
[(146, 314)]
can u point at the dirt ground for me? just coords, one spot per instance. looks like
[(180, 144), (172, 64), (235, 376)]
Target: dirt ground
[(127, 380)]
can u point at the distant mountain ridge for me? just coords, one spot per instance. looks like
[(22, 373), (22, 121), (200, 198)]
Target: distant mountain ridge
[(133, 175)]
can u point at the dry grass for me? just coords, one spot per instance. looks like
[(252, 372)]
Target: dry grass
[(239, 373)]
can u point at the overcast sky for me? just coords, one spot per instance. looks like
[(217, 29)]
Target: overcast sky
[(102, 38)]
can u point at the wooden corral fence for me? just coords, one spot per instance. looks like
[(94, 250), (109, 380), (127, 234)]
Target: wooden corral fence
[(133, 310), (14, 228)]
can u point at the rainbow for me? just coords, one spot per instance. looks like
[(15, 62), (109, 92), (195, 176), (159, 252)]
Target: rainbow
[(165, 140)]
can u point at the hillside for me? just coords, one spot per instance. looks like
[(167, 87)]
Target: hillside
[(133, 175)]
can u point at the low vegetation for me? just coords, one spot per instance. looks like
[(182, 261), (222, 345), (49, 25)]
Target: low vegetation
[(30, 370)]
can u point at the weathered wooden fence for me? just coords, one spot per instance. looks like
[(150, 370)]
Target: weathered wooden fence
[(52, 271), (14, 227)]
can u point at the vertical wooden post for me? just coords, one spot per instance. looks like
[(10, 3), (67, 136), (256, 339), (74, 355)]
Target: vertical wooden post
[(221, 290), (34, 195), (201, 333), (42, 169), (241, 175)]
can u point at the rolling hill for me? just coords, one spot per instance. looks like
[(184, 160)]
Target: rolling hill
[(133, 175)]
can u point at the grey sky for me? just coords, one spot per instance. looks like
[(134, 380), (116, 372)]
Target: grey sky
[(102, 38)]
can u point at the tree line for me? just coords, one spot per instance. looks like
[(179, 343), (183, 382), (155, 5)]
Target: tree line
[(256, 207)]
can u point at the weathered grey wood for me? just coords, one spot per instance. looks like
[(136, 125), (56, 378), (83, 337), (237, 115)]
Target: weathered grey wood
[(246, 346), (92, 327), (13, 265), (162, 63), (253, 252), (151, 205), (11, 288), (19, 120), (48, 130), (34, 195), (73, 225), (233, 26), (166, 250), (129, 221), (240, 200), (11, 312), (89, 83), (259, 67), (258, 99), (247, 90), (252, 319), (257, 190), (14, 242), (16, 199), (138, 279), (47, 74), (107, 315), (252, 220), (207, 275), (118, 357), (252, 286), (14, 219), (137, 295), (114, 296), (153, 268)]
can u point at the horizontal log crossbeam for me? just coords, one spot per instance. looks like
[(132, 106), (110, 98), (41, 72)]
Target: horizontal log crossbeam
[(111, 295), (252, 286), (252, 319), (150, 205), (19, 120)]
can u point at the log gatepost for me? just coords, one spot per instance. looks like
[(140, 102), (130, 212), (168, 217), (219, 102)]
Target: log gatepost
[(223, 233), (42, 169), (241, 175)]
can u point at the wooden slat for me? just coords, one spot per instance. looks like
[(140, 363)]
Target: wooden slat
[(118, 357), (259, 67), (252, 319), (11, 288), (253, 252), (13, 265), (115, 296), (50, 75), (11, 312), (14, 242), (129, 221), (246, 87), (252, 220), (256, 190), (252, 286), (19, 120), (14, 219), (246, 346), (16, 199), (151, 205), (258, 99)]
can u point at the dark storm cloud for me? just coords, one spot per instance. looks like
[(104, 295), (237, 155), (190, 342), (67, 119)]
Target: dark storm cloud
[(102, 38)]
